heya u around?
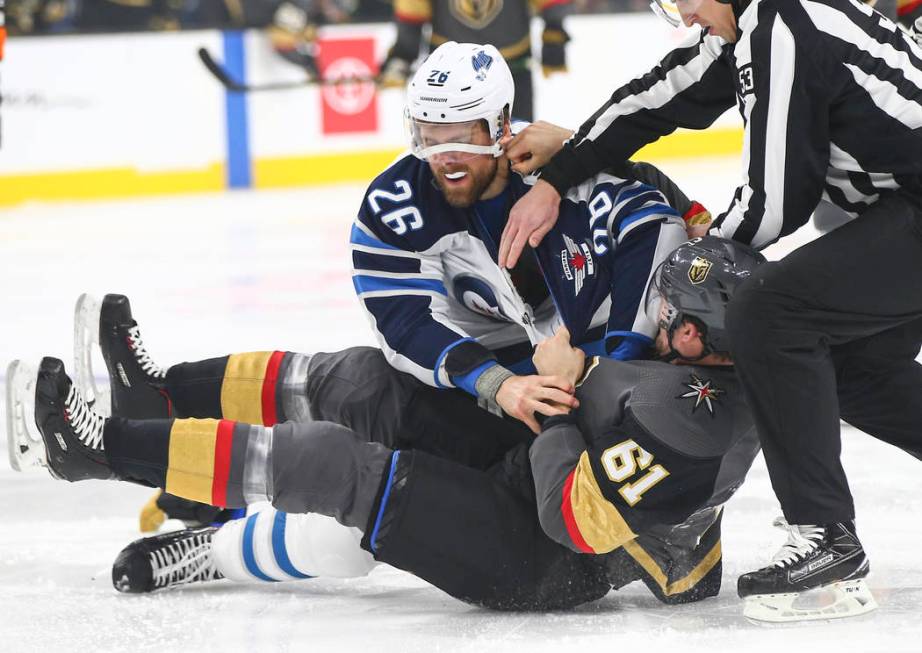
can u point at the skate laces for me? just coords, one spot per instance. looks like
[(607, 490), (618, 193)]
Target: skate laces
[(140, 352), (184, 560), (802, 541), (86, 422)]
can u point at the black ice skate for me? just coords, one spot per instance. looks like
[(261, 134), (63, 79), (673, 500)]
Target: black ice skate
[(818, 574), (136, 384), (164, 561), (71, 431)]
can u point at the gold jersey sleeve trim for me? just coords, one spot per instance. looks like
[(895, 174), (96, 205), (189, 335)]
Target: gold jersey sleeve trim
[(683, 584), (598, 520)]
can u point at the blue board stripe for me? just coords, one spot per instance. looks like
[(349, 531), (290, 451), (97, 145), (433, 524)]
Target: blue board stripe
[(237, 122), (278, 547), (249, 556)]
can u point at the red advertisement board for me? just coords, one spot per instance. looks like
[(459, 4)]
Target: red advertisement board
[(351, 106)]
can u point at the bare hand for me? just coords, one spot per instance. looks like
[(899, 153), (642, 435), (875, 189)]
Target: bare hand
[(555, 356), (523, 396), (534, 146), (529, 221)]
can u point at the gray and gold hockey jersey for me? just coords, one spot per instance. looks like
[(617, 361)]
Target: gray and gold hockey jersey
[(651, 445)]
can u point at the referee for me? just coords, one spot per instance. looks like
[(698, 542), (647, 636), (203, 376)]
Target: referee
[(831, 96)]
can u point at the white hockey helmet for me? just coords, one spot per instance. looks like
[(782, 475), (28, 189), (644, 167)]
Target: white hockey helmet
[(459, 84)]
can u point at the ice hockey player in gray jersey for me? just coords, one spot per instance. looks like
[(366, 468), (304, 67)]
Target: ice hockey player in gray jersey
[(476, 532)]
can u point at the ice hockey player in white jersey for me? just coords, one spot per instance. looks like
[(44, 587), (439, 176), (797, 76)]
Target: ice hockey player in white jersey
[(425, 243)]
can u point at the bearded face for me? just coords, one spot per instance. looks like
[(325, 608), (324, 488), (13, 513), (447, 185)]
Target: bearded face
[(463, 177)]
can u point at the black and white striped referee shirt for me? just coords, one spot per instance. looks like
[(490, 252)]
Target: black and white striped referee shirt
[(831, 96)]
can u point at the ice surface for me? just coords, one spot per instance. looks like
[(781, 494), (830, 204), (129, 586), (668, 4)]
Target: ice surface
[(213, 274)]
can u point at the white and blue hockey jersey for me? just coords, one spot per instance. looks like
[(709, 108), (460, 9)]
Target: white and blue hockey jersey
[(444, 311)]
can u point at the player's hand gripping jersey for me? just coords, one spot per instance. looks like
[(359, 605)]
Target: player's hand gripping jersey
[(444, 311), (651, 444)]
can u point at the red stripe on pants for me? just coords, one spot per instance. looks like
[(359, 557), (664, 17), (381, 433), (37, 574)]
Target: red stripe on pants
[(570, 520), (272, 373), (224, 440)]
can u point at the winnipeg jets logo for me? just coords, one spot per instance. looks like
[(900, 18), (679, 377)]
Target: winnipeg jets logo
[(703, 393), (577, 263)]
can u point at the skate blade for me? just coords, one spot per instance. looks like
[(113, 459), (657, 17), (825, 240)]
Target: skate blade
[(834, 601), (25, 447), (86, 345)]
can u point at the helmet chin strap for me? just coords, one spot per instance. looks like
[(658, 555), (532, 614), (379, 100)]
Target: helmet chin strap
[(674, 354)]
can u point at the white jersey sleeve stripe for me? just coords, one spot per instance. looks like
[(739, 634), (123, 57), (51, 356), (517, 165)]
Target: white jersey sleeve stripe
[(783, 62)]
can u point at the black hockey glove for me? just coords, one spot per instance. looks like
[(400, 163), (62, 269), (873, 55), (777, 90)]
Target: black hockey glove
[(553, 50)]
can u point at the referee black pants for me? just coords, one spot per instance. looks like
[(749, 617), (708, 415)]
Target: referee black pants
[(832, 331)]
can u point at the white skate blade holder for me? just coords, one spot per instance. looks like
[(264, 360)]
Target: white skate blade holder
[(86, 350), (834, 601), (24, 442)]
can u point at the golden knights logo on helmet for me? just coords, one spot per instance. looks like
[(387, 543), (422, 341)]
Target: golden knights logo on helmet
[(698, 270), (476, 14)]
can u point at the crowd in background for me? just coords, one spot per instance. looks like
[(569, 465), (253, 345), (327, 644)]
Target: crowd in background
[(67, 16)]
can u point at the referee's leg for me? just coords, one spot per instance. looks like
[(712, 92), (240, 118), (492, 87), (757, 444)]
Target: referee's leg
[(852, 283), (879, 381)]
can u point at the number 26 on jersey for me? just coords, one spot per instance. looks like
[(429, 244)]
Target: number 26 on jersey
[(402, 218)]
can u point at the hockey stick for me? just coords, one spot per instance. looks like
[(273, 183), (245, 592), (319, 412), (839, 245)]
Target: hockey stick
[(231, 84)]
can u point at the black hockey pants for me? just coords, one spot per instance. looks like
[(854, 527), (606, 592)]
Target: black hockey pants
[(833, 330)]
